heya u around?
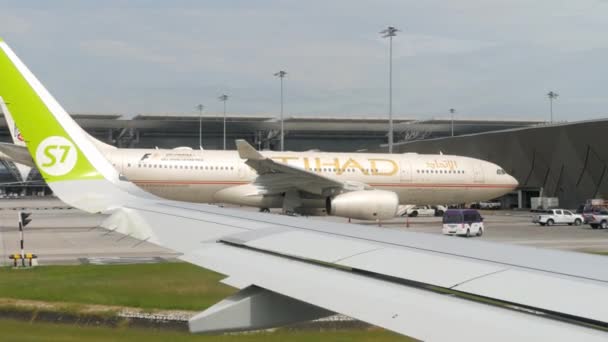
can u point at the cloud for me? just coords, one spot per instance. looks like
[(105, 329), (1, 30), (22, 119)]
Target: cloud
[(11, 24), (421, 44), (484, 58), (125, 50)]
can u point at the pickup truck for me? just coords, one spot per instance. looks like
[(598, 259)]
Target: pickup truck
[(425, 210), (597, 219), (557, 216)]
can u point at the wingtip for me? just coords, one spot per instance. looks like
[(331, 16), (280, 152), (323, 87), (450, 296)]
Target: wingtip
[(246, 151)]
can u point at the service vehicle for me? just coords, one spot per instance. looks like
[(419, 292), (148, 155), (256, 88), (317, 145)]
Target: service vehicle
[(486, 205), (467, 222), (552, 217), (420, 210), (597, 219), (439, 209)]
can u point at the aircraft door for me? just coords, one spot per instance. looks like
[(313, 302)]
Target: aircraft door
[(405, 171), (478, 176)]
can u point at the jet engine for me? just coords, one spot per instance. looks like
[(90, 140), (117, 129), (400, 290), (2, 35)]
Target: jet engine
[(363, 204)]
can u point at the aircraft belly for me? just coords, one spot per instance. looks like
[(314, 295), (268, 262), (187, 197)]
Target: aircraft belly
[(200, 193), (442, 195)]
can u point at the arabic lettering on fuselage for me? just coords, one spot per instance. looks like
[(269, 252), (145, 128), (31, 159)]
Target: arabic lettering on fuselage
[(184, 157), (442, 164), (367, 166)]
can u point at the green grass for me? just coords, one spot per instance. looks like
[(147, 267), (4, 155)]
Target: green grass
[(149, 286), (11, 330)]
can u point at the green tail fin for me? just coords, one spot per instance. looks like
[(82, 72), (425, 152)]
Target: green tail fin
[(59, 147)]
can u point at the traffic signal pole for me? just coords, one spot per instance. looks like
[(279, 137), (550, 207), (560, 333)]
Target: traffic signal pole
[(24, 220)]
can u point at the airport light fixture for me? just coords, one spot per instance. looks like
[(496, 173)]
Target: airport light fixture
[(281, 74), (224, 98), (552, 96), (452, 111), (200, 108), (389, 33)]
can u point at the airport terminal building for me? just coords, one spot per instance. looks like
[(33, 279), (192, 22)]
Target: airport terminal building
[(562, 160)]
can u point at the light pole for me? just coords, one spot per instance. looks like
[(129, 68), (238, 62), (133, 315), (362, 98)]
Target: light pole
[(281, 74), (552, 96), (389, 33), (200, 108), (452, 111), (224, 98)]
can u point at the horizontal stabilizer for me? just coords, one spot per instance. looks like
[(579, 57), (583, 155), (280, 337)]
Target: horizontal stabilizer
[(16, 154), (254, 308)]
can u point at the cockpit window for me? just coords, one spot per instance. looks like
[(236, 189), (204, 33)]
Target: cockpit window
[(500, 172)]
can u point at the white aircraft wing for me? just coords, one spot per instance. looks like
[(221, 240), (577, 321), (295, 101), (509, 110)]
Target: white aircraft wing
[(424, 286), (275, 176), (16, 153), (295, 269)]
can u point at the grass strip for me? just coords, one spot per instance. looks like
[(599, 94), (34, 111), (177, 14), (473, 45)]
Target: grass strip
[(14, 330), (178, 286)]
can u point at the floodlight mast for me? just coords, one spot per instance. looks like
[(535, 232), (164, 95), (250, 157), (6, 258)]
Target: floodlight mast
[(200, 108), (552, 96), (452, 111), (389, 33), (224, 98), (281, 74)]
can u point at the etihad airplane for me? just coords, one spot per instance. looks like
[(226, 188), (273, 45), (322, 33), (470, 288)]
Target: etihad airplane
[(367, 186), (291, 269)]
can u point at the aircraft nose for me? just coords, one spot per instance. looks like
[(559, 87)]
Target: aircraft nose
[(514, 183)]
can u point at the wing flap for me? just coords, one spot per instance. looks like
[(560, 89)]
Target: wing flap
[(418, 313), (415, 266), (538, 290)]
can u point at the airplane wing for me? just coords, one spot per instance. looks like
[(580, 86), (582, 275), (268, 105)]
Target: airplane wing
[(291, 269), (275, 176), (16, 153)]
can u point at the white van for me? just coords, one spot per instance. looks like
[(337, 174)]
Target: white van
[(465, 222)]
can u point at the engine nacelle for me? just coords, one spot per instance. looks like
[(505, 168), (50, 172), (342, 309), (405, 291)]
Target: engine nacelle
[(364, 205)]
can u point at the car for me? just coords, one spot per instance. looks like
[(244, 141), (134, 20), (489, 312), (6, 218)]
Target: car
[(597, 219), (466, 222), (439, 209), (486, 205), (420, 210), (557, 216)]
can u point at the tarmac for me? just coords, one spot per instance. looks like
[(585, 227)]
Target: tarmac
[(61, 235)]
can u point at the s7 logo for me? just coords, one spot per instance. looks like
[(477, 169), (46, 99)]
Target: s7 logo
[(56, 156), (52, 157)]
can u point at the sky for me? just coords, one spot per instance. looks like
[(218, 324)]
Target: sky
[(487, 59)]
